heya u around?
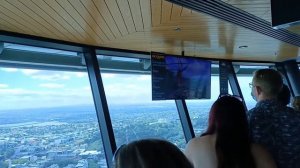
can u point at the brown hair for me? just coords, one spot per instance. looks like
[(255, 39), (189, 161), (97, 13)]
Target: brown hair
[(228, 120), (150, 153), (269, 80)]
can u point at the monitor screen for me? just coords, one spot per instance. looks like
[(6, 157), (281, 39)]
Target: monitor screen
[(176, 77), (285, 13)]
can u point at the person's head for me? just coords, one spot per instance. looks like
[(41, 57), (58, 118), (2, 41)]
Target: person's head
[(228, 120), (296, 103), (266, 84), (284, 96), (228, 116), (150, 153)]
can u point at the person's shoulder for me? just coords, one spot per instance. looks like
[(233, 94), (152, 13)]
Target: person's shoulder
[(199, 140), (199, 143)]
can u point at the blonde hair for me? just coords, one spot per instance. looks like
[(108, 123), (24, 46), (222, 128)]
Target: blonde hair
[(296, 103), (269, 80)]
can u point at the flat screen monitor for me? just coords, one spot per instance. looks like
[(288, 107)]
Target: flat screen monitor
[(176, 77), (285, 13)]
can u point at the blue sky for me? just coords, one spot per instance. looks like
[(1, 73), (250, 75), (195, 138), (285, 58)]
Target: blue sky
[(27, 88)]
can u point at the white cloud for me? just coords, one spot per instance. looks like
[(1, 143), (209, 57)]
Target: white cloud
[(87, 88), (18, 98), (29, 71), (144, 78), (80, 74), (108, 75), (9, 69), (3, 85), (46, 75), (51, 85), (51, 77)]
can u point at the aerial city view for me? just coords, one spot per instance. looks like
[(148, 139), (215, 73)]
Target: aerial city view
[(51, 122)]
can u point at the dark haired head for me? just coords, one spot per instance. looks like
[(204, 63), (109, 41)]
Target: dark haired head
[(284, 96), (150, 153), (228, 120)]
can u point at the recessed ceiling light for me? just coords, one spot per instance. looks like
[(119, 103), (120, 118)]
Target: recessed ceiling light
[(243, 46), (177, 29)]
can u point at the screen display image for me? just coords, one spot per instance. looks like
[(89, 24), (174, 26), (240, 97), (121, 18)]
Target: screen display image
[(176, 77)]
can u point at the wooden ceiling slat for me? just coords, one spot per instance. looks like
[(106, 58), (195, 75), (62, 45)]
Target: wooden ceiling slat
[(49, 20), (135, 9), (17, 21), (166, 14), (186, 12), (10, 22), (96, 36), (103, 10), (56, 17), (36, 20), (69, 19), (156, 7), (98, 18), (145, 25), (176, 12), (146, 13), (19, 16), (91, 20), (10, 27), (117, 16), (126, 14)]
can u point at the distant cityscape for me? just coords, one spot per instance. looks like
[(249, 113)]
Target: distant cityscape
[(69, 137)]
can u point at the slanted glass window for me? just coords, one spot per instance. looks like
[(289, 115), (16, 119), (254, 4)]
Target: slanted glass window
[(133, 113), (199, 109), (47, 119)]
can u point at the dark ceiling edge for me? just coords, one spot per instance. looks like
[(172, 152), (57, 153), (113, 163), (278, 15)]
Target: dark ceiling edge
[(30, 40), (231, 14)]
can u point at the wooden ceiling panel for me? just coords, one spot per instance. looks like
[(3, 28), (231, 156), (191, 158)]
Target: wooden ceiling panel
[(146, 25), (103, 12), (176, 11), (167, 12), (135, 8), (156, 12), (84, 23), (186, 12), (91, 20), (115, 12), (64, 27), (31, 14), (15, 15), (48, 20), (127, 16), (146, 13), (68, 19)]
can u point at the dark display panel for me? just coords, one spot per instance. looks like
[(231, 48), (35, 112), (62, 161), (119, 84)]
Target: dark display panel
[(176, 77)]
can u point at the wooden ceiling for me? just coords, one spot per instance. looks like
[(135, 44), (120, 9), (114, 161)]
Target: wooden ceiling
[(146, 25)]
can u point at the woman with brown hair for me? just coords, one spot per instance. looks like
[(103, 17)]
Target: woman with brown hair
[(226, 143)]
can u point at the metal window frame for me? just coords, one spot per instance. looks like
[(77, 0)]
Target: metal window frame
[(291, 73), (185, 120), (227, 70), (101, 106)]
